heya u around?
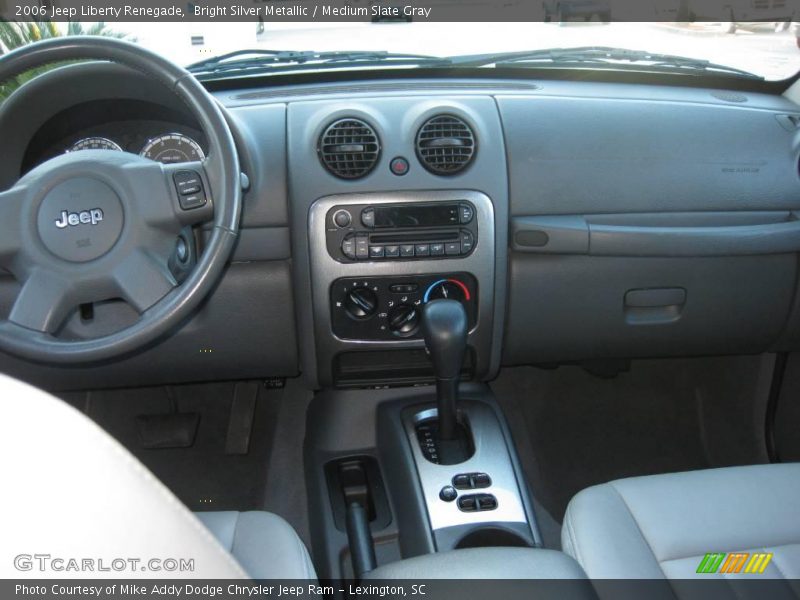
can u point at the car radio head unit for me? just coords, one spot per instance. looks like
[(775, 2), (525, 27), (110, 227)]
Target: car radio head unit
[(410, 231)]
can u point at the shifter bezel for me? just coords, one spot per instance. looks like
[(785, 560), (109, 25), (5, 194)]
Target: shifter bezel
[(491, 455)]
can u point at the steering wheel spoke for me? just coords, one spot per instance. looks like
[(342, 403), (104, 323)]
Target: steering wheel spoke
[(12, 202), (96, 225), (193, 201), (143, 280), (170, 197), (43, 303)]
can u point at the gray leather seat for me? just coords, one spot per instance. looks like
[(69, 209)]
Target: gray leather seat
[(263, 543), (72, 492), (662, 526), (483, 563)]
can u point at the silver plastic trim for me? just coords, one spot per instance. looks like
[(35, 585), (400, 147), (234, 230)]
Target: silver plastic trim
[(325, 270), (491, 456)]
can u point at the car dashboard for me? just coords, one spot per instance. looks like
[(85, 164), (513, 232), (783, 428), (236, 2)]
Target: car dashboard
[(605, 220)]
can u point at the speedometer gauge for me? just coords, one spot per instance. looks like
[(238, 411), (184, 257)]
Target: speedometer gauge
[(94, 143), (172, 148)]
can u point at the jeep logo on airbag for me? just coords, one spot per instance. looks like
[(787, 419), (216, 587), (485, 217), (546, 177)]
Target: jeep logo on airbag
[(84, 217)]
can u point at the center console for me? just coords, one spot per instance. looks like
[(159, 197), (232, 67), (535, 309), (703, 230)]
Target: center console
[(376, 259), (404, 293)]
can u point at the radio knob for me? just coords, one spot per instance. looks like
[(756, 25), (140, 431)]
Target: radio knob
[(403, 320), (342, 218), (361, 303)]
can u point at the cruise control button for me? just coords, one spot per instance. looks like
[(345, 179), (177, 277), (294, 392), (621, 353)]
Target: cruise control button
[(407, 250), (191, 189), (437, 249), (192, 201), (187, 182), (376, 251), (392, 251), (452, 248), (422, 250)]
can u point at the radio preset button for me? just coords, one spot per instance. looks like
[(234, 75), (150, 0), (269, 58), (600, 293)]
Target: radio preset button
[(368, 217), (437, 249), (407, 250), (392, 251), (422, 250), (376, 251), (452, 248)]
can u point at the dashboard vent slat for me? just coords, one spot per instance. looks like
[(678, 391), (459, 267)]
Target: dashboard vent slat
[(445, 145), (349, 148)]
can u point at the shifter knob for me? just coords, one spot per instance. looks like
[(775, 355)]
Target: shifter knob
[(444, 323)]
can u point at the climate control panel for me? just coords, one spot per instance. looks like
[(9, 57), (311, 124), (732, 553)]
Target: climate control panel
[(390, 308)]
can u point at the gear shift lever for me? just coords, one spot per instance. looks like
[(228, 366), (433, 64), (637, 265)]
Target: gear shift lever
[(444, 323)]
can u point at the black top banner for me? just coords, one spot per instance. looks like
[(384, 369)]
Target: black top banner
[(408, 10)]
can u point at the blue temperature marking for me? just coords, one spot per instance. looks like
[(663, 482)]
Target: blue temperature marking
[(430, 287)]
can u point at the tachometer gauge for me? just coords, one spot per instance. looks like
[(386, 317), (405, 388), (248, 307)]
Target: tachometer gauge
[(172, 148), (94, 143)]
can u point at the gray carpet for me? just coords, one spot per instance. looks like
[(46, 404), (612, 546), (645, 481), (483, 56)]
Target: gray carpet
[(661, 416), (787, 417), (203, 476)]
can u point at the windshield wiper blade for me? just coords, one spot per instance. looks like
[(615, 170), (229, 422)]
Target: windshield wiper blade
[(605, 55), (242, 60)]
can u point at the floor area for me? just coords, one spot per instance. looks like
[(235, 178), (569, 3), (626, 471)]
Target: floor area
[(574, 429), (204, 476)]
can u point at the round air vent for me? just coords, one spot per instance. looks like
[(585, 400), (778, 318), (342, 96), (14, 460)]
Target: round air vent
[(349, 148), (445, 145)]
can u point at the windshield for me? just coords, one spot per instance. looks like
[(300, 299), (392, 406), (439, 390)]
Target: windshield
[(767, 49)]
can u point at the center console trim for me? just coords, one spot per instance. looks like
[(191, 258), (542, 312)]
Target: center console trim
[(491, 456), (325, 270)]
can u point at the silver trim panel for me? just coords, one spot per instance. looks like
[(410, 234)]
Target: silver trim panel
[(491, 456), (325, 270)]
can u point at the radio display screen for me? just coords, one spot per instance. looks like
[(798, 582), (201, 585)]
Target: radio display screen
[(430, 215)]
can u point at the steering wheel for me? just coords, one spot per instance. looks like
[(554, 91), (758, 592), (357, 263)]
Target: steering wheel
[(97, 225)]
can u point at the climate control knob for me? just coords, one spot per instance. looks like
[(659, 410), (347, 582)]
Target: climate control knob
[(447, 289), (361, 303), (404, 320)]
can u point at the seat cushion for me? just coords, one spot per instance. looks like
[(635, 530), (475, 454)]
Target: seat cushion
[(263, 543), (483, 563), (662, 526)]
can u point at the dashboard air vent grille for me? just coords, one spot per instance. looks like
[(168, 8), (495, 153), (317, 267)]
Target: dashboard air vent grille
[(445, 145), (349, 148)]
